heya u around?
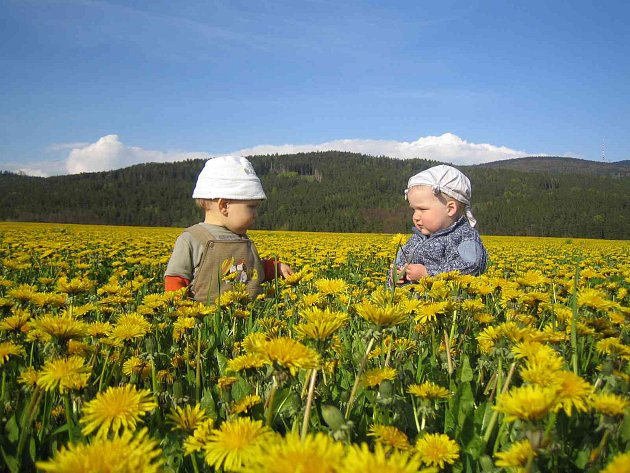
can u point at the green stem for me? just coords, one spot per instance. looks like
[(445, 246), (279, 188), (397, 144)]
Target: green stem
[(356, 380), (309, 401), (27, 424), (270, 401), (574, 341), (198, 368), (449, 361), (495, 414), (69, 421)]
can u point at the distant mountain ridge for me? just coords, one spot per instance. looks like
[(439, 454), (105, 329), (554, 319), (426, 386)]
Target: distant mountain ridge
[(339, 192), (562, 164)]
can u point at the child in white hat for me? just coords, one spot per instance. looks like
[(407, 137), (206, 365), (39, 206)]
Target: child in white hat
[(212, 256), (444, 238)]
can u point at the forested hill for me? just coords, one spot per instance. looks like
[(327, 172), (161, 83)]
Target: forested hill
[(329, 191)]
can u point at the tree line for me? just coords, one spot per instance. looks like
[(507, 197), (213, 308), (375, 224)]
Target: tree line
[(327, 191)]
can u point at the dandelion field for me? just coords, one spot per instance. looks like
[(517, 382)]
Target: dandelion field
[(522, 369)]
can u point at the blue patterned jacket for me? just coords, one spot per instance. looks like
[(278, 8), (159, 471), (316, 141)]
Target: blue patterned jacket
[(456, 248)]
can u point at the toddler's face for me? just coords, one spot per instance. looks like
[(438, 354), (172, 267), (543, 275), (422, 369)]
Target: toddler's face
[(241, 215), (431, 212)]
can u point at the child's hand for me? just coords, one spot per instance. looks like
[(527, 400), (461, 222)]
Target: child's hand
[(416, 272), (284, 270), (400, 273)]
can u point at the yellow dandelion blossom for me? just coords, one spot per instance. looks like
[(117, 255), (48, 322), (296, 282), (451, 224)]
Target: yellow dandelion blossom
[(573, 392), (389, 436), (608, 403), (529, 402), (16, 321), (376, 376), (594, 299), (289, 354), (136, 365), (224, 382), (430, 311), (115, 409), (253, 342), (387, 315), (516, 456), (182, 325), (22, 293), (186, 418), (244, 362), (201, 435), (245, 404), (359, 459), (619, 464), (130, 452), (96, 329), (8, 349), (64, 373), (315, 453), (62, 327), (129, 327), (234, 440), (320, 324), (74, 286), (328, 287), (612, 346), (437, 449), (29, 377), (428, 390)]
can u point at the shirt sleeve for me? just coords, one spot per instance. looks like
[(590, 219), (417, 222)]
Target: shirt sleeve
[(181, 262), (468, 257)]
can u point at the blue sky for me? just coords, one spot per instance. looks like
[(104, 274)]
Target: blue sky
[(91, 85)]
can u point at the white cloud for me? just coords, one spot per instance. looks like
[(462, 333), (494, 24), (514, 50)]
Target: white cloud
[(447, 148), (109, 153)]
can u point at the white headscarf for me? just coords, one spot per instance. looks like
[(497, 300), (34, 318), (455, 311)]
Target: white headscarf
[(228, 177), (449, 181)]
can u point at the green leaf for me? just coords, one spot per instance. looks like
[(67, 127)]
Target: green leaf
[(625, 428), (466, 374), (12, 429)]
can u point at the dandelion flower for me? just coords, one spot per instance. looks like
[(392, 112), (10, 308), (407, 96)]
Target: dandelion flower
[(115, 409), (64, 373), (74, 286), (187, 418), (196, 441), (619, 464), (15, 321), (316, 453), (9, 349), (516, 456), (529, 402), (289, 354), (437, 449), (389, 436), (430, 311), (244, 362), (227, 446), (320, 324), (62, 327), (608, 404), (573, 392), (376, 376), (245, 404), (387, 315), (359, 459), (329, 287), (124, 454), (428, 390)]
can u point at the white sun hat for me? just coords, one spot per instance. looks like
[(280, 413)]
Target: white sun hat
[(449, 181), (228, 177)]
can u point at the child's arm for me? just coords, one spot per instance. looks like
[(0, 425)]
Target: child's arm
[(174, 283), (271, 266)]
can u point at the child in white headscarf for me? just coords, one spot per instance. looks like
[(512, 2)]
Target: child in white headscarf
[(444, 237), (212, 256)]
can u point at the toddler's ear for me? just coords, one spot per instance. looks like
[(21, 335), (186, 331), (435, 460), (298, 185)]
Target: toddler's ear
[(451, 208)]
